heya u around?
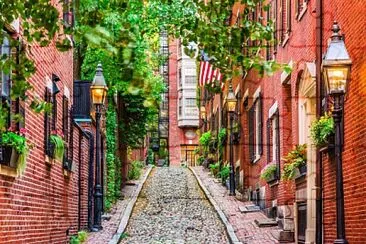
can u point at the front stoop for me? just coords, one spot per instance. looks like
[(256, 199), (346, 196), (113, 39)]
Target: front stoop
[(284, 236), (261, 223)]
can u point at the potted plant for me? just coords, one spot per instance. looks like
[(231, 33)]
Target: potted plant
[(295, 163), (322, 130), (214, 168), (269, 173), (14, 149), (224, 174), (57, 145)]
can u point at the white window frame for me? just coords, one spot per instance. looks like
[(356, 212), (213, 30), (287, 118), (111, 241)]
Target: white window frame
[(256, 123)]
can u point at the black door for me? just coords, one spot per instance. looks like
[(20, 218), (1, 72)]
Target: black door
[(301, 222)]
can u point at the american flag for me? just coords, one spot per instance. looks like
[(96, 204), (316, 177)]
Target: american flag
[(210, 75)]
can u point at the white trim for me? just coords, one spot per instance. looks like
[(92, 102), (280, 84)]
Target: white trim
[(285, 77), (273, 110), (48, 82), (66, 92), (257, 93), (237, 89)]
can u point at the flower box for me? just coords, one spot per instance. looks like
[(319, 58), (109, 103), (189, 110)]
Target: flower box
[(273, 177), (9, 156)]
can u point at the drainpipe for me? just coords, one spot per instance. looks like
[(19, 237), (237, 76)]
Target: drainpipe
[(319, 95)]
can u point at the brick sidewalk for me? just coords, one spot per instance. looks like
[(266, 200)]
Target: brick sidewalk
[(110, 226), (243, 223)]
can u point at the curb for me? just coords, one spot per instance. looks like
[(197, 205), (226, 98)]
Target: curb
[(128, 211), (229, 228)]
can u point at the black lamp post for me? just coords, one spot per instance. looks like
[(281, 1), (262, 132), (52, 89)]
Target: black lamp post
[(231, 104), (336, 69), (98, 91)]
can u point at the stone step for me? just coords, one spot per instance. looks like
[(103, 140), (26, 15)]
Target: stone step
[(249, 209), (265, 222)]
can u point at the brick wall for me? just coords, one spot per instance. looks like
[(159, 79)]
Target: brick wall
[(349, 15), (42, 205)]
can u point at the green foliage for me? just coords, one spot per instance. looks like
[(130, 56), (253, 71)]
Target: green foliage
[(268, 172), (19, 143), (205, 139), (293, 160), (113, 171), (134, 171), (81, 237), (224, 173), (321, 130), (150, 156), (214, 168), (200, 160), (59, 146)]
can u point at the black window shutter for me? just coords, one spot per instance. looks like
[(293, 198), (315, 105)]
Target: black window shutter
[(278, 157), (260, 124), (65, 118), (268, 140), (251, 133)]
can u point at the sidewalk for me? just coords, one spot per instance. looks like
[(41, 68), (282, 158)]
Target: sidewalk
[(243, 223), (110, 226)]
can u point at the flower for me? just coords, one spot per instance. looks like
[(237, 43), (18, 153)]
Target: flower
[(23, 131)]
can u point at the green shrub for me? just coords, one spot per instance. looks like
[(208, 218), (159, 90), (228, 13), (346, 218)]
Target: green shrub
[(214, 168), (321, 130), (134, 171), (150, 156), (224, 173), (82, 236), (59, 146)]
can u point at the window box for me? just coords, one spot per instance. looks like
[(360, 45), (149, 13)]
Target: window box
[(300, 171), (9, 156), (272, 178)]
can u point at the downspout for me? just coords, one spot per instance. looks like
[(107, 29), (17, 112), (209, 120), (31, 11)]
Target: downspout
[(319, 95), (79, 184)]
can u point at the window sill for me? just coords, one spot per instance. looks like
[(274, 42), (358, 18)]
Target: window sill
[(257, 158), (285, 41), (8, 171), (303, 11)]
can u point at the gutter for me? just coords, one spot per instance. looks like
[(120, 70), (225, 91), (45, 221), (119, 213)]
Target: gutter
[(319, 95)]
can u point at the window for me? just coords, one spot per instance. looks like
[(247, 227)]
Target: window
[(273, 136), (67, 13), (255, 129), (300, 8), (180, 77), (269, 46), (190, 79), (180, 107), (5, 81), (191, 107), (285, 21)]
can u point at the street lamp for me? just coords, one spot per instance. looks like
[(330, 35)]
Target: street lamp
[(336, 69), (231, 105), (98, 91)]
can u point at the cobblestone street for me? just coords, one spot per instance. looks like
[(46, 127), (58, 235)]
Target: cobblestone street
[(173, 209)]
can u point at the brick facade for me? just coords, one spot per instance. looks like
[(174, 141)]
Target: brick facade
[(299, 48), (48, 204)]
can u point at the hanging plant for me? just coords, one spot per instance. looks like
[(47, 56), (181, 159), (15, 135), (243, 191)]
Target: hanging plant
[(321, 130), (294, 160), (58, 144)]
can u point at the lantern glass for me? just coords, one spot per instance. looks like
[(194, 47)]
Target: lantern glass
[(98, 94), (231, 105), (336, 78), (203, 112)]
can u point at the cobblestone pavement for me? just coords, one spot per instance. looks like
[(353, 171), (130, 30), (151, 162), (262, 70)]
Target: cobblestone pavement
[(243, 223), (110, 226), (172, 208)]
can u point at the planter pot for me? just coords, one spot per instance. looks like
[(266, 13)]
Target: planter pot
[(9, 156), (303, 169), (272, 178)]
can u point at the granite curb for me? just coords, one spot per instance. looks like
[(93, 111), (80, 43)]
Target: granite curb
[(128, 211), (229, 228)]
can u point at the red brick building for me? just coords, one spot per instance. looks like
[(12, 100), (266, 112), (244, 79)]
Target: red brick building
[(183, 111), (53, 199), (275, 113)]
